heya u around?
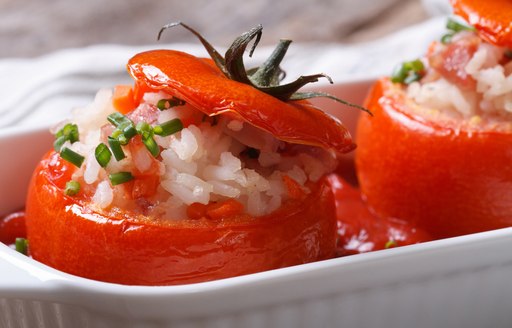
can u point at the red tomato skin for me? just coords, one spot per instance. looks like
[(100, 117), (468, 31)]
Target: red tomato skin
[(445, 180), (121, 247), (200, 84), (490, 18)]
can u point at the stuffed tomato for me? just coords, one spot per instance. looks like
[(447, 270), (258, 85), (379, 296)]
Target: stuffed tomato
[(437, 151), (194, 174)]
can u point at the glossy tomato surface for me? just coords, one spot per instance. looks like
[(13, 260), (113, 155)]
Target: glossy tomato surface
[(361, 230), (491, 19), (68, 234), (203, 86), (445, 180), (12, 226)]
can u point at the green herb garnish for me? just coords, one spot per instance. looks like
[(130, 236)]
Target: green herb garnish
[(120, 177), (128, 130), (72, 188), (69, 155), (164, 104), (69, 132), (144, 129), (454, 27), (447, 38), (390, 244), (103, 154), (167, 128), (118, 119), (125, 129), (21, 245), (151, 145), (115, 147), (408, 72), (146, 133)]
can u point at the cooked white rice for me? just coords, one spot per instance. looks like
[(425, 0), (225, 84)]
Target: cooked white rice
[(487, 106), (200, 164)]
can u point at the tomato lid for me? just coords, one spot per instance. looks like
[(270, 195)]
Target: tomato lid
[(492, 19), (221, 85)]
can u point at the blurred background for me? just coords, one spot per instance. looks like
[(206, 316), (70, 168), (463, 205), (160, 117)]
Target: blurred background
[(31, 28)]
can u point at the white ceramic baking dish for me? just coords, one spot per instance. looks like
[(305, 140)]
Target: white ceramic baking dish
[(457, 282)]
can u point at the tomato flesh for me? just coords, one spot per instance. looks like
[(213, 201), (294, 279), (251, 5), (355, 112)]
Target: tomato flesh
[(452, 60)]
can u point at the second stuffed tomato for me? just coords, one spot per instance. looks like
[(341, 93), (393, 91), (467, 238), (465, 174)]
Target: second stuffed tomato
[(446, 180), (438, 150)]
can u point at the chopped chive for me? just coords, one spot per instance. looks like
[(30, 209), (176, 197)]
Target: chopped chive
[(146, 132), (144, 129), (390, 243), (59, 142), (408, 72), (164, 104), (69, 132), (116, 133), (456, 26), (151, 145), (168, 128), (122, 139), (399, 74), (128, 129), (120, 177), (74, 158), (447, 38), (412, 77), (118, 119), (415, 65), (103, 154), (21, 245), (116, 148), (125, 129), (72, 188)]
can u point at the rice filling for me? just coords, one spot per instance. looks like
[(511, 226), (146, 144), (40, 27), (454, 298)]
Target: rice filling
[(468, 82), (208, 160)]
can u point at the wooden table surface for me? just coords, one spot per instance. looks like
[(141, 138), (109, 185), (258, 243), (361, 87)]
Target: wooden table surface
[(33, 27)]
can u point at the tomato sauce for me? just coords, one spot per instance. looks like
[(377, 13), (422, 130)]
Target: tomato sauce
[(12, 226), (361, 230)]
